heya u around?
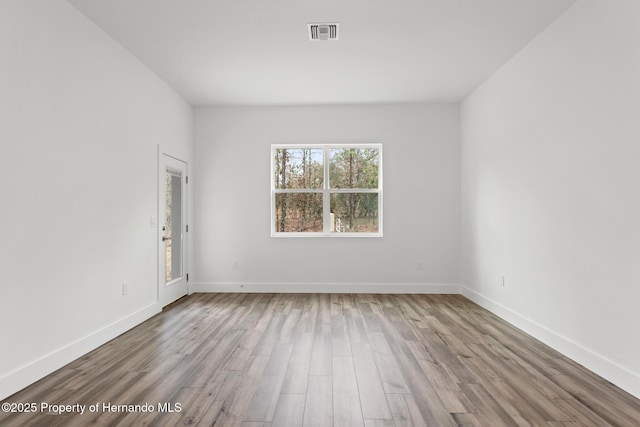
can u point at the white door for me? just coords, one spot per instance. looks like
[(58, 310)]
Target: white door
[(172, 230)]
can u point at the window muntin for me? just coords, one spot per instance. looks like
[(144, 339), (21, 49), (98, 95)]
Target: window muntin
[(326, 190)]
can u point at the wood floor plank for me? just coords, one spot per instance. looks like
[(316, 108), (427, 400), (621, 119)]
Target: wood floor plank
[(405, 410), (325, 360), (205, 398), (518, 408), (210, 358), (599, 403), (318, 407), (442, 353), (582, 414), (184, 397), (431, 406), (489, 411), (340, 343), (289, 329), (297, 375), (372, 321), (236, 403), (372, 396), (445, 386), (467, 420), (535, 368), (528, 391), (378, 423), (419, 351), (356, 330), (396, 334), (378, 343), (241, 354), (321, 355), (267, 391), (309, 315), (290, 410), (392, 377), (269, 335), (346, 399)]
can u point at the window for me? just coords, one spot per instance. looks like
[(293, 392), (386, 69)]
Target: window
[(326, 190)]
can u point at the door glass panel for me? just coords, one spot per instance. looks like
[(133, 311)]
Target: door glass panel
[(173, 227)]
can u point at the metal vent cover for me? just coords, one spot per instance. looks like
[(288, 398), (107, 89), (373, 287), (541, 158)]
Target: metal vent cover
[(323, 31)]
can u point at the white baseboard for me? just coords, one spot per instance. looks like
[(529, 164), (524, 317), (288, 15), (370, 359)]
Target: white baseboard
[(325, 288), (611, 371), (31, 372)]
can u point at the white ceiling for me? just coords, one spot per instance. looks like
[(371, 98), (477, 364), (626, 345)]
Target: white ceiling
[(257, 52)]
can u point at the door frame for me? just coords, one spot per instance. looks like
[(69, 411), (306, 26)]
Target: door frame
[(169, 292)]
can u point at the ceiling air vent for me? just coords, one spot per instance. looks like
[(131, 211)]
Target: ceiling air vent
[(323, 31)]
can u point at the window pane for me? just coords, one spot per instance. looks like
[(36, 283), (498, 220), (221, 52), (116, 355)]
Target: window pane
[(173, 221), (354, 212), (353, 167), (299, 212), (298, 168)]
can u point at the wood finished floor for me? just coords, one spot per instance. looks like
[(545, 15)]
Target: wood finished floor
[(330, 360)]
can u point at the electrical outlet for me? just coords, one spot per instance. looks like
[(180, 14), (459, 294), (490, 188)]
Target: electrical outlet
[(125, 289), (502, 280), (236, 265), (419, 265)]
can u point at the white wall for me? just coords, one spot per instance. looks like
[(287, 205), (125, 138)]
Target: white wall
[(80, 120), (550, 189), (421, 200)]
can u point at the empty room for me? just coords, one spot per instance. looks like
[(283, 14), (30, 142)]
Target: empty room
[(340, 213)]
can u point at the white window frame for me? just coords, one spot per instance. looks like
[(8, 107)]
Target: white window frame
[(326, 193)]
